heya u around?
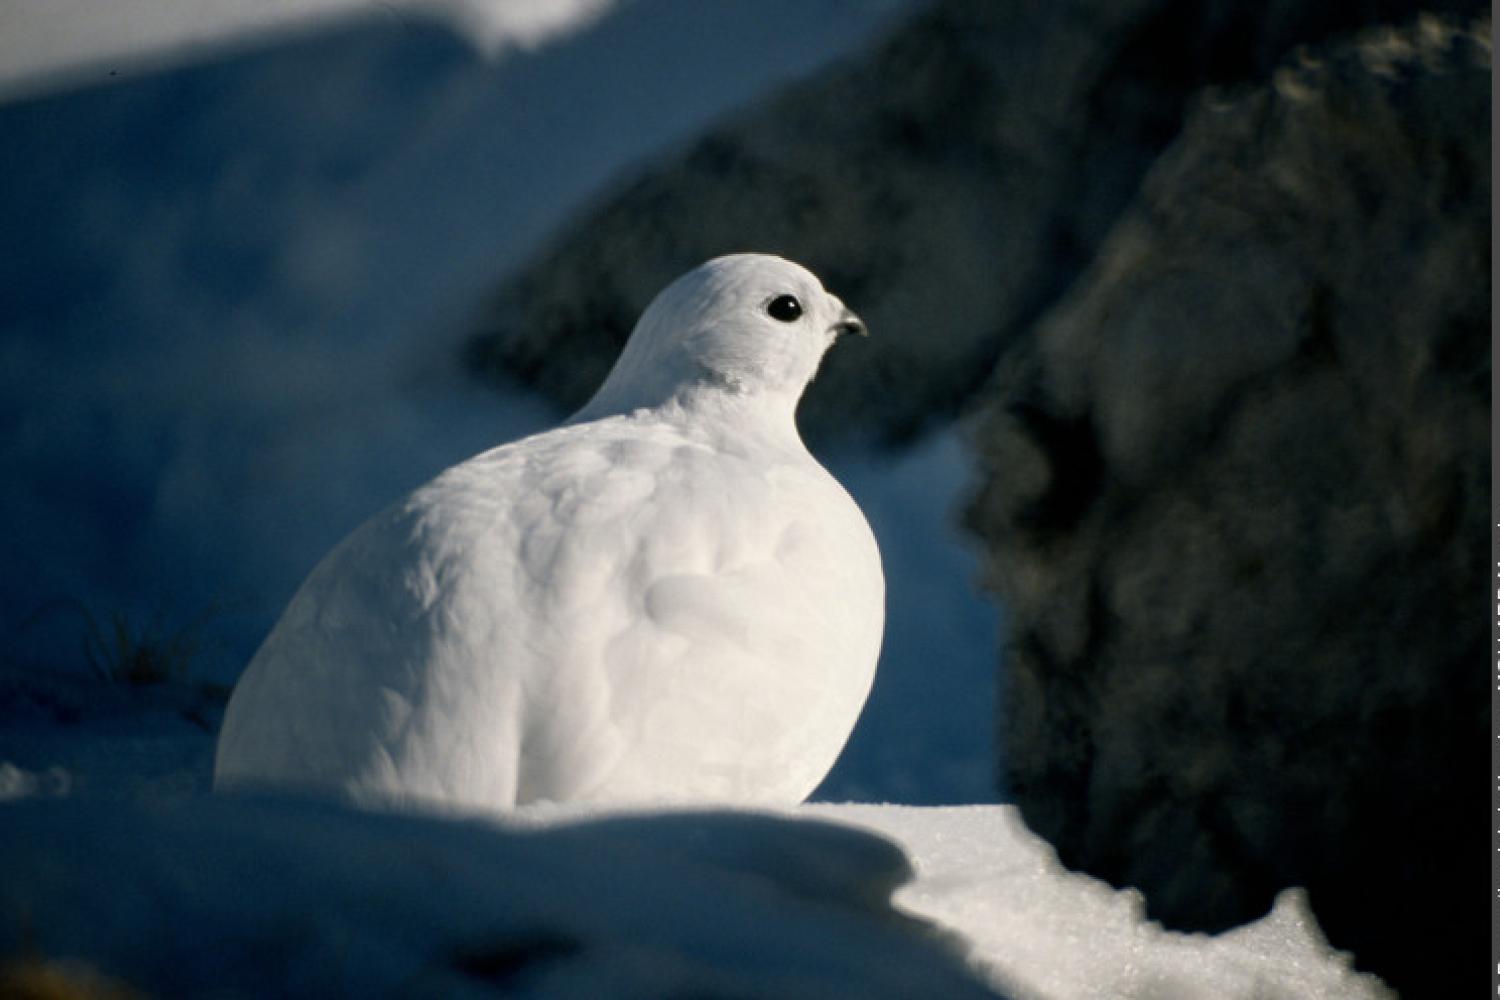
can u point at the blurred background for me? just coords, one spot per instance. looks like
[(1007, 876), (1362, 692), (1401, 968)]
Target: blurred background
[(1173, 427), (248, 297)]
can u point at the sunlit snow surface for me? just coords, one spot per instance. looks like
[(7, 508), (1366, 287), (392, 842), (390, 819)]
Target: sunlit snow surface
[(1038, 930)]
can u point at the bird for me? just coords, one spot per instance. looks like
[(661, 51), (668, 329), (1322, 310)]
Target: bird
[(665, 598)]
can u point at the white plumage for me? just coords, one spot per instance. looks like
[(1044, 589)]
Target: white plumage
[(666, 598)]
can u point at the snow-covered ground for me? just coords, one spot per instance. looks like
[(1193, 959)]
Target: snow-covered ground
[(112, 851), (258, 898), (1039, 931), (233, 298)]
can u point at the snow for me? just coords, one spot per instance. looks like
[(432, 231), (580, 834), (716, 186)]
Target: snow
[(1039, 930), (927, 733), (229, 291), (330, 212), (113, 846), (63, 734), (261, 897), (183, 894), (239, 290), (65, 42)]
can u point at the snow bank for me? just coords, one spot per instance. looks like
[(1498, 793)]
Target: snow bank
[(203, 893), (113, 853), (256, 896)]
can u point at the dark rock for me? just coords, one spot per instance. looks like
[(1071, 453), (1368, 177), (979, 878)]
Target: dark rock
[(1235, 497), (949, 186)]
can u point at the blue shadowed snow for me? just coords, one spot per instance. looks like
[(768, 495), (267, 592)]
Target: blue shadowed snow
[(235, 298), (927, 732), (230, 304), (235, 292)]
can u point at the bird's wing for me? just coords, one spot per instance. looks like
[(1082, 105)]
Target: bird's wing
[(720, 612), (379, 677), (594, 610)]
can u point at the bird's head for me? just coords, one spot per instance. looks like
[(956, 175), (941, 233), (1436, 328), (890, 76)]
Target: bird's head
[(741, 325)]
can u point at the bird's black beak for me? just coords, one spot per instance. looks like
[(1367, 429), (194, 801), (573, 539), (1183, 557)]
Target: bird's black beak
[(849, 323)]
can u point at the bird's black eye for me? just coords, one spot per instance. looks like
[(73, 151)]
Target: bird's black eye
[(785, 308)]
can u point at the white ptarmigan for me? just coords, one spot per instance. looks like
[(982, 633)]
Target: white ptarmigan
[(665, 598)]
